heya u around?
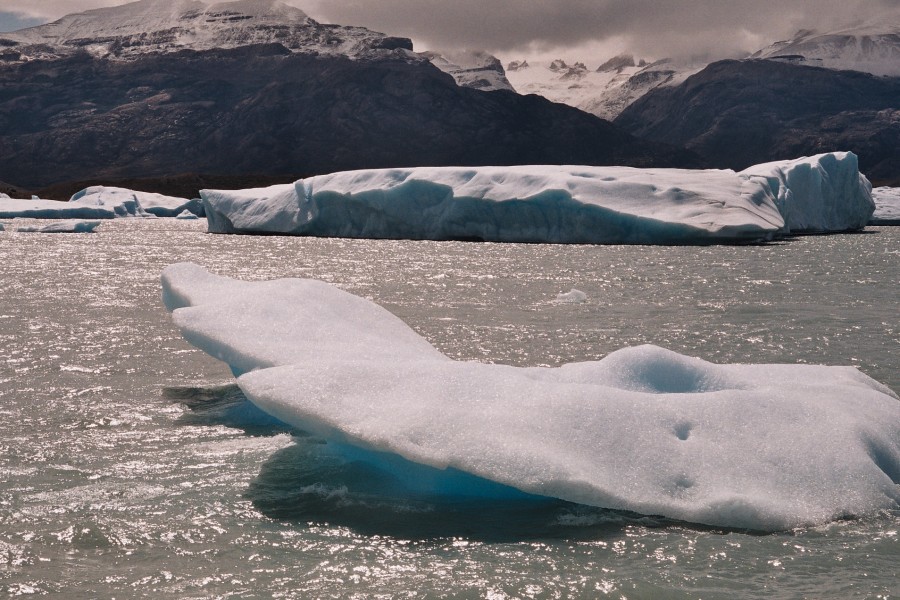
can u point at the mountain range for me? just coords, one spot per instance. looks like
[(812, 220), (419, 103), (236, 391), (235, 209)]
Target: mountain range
[(873, 48), (155, 88), (609, 89), (256, 91), (815, 92), (738, 113), (131, 31)]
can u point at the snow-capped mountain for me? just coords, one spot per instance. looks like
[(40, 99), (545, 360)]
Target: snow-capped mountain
[(474, 69), (736, 113), (162, 26), (870, 48), (257, 89), (615, 85), (605, 91)]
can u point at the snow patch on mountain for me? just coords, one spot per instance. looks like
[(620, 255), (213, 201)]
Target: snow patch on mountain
[(132, 30), (873, 48), (605, 91), (474, 69)]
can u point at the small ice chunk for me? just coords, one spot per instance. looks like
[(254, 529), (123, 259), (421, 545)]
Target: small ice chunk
[(573, 296)]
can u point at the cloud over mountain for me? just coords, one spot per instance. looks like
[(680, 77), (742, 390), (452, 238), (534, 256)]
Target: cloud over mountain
[(714, 28)]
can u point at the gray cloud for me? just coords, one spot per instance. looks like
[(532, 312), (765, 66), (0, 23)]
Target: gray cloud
[(680, 28), (53, 9), (648, 27)]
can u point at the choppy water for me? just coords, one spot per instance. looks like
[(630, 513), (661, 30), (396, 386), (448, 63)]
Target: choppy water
[(110, 487)]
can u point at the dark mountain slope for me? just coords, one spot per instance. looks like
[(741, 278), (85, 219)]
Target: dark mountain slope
[(263, 110), (738, 113)]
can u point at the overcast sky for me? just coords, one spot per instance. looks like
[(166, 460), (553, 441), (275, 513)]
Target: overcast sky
[(589, 30)]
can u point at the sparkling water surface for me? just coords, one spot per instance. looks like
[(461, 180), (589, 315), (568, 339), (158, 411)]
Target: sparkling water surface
[(130, 469)]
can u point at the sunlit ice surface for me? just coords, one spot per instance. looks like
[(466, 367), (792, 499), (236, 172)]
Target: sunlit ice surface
[(127, 469)]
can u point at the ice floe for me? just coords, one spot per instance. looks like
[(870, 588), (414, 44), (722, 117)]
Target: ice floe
[(557, 204), (887, 206), (573, 296), (764, 447), (51, 209), (73, 226)]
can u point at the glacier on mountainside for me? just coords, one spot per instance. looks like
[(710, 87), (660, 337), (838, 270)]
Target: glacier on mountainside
[(604, 92), (762, 447), (557, 204), (887, 206), (871, 48), (473, 69)]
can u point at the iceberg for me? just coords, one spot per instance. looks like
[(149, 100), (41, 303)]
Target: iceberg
[(557, 204), (138, 203), (761, 447), (100, 202), (821, 194), (887, 206), (573, 296), (51, 209), (62, 227)]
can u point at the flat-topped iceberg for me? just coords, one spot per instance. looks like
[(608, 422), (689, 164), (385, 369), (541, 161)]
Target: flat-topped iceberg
[(887, 206), (557, 204), (763, 447), (100, 202), (51, 209)]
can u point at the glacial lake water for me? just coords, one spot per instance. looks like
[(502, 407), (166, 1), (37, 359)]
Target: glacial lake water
[(127, 471)]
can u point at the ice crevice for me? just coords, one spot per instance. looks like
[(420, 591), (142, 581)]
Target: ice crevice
[(647, 430)]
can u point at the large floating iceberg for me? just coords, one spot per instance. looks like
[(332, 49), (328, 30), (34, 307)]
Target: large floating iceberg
[(763, 447), (100, 202), (819, 194), (557, 204)]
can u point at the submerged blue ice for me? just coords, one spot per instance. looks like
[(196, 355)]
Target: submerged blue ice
[(646, 430)]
